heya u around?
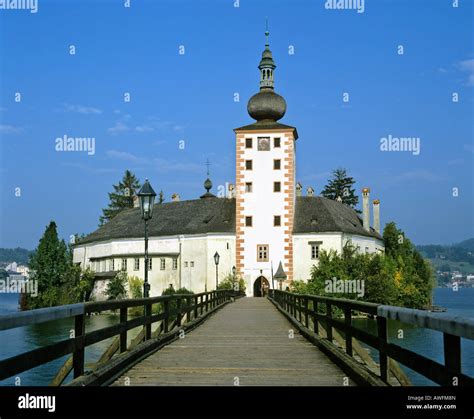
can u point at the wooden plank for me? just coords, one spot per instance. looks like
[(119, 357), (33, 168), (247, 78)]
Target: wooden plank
[(248, 340)]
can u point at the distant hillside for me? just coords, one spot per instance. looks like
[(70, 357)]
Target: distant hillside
[(457, 257), (18, 255)]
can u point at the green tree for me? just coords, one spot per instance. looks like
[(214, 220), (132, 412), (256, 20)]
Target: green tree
[(341, 186), (51, 266), (122, 196), (161, 197), (116, 288), (231, 282)]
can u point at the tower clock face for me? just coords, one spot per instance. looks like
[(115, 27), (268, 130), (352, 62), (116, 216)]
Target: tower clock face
[(263, 143)]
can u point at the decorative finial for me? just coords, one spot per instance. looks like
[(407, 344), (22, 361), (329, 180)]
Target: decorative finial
[(208, 164), (266, 31)]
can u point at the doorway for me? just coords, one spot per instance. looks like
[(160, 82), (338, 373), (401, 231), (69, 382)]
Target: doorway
[(260, 287)]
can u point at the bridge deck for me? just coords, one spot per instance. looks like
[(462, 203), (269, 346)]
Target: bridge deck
[(246, 341)]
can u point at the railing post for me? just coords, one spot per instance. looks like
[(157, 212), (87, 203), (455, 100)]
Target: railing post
[(196, 299), (123, 335), (452, 352), (315, 316), (178, 309), (382, 334), (328, 321), (348, 321), (207, 302), (189, 309), (299, 309), (78, 355), (148, 321), (202, 303), (306, 321), (166, 311)]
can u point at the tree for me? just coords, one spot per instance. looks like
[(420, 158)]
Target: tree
[(51, 266), (116, 288), (340, 186), (122, 196), (231, 282)]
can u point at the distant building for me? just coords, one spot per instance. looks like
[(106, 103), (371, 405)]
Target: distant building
[(261, 222)]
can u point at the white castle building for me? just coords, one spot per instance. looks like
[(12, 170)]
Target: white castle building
[(262, 222)]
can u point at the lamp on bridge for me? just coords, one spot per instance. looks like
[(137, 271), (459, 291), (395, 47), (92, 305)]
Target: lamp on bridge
[(146, 195), (216, 261), (280, 276)]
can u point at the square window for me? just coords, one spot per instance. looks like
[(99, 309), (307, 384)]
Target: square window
[(248, 164), (124, 264), (191, 264), (136, 265), (248, 187), (277, 164), (162, 264), (185, 264), (248, 143), (262, 253), (263, 144), (276, 186), (248, 221), (150, 264), (175, 263), (314, 251), (277, 220), (112, 264), (276, 143)]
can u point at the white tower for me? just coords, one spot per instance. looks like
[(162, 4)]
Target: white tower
[(265, 186)]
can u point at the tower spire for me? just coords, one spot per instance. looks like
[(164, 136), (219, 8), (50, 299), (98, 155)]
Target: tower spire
[(267, 65)]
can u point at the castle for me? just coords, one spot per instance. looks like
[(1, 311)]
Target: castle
[(262, 222)]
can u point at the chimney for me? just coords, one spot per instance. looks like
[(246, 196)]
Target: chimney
[(136, 201), (365, 208), (175, 197), (376, 210), (310, 191), (299, 188)]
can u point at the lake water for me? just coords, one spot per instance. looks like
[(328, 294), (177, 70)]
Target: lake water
[(423, 341)]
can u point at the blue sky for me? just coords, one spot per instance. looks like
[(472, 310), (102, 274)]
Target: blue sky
[(190, 97)]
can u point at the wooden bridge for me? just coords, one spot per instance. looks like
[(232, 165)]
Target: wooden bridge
[(222, 338)]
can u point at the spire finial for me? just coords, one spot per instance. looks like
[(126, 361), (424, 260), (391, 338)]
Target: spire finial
[(266, 32), (208, 164)]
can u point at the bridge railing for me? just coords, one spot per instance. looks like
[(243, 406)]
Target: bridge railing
[(311, 310), (173, 311)]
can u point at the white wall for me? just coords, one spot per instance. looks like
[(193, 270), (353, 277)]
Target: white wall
[(197, 250)]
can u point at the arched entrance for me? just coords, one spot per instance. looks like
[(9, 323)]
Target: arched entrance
[(260, 287)]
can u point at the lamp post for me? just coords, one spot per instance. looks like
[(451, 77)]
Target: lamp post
[(146, 195), (280, 275), (216, 261)]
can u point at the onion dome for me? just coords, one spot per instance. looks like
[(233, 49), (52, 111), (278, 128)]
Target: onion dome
[(266, 104)]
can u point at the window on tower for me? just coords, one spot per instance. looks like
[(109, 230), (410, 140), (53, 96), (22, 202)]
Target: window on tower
[(248, 143), (276, 143), (248, 186), (248, 221), (262, 253), (277, 220), (276, 186), (276, 164), (248, 164)]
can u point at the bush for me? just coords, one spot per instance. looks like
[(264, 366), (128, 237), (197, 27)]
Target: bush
[(116, 288), (231, 282), (135, 290)]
